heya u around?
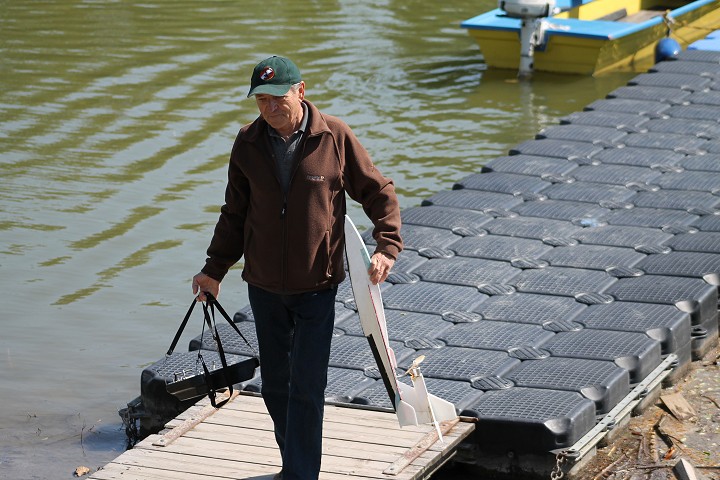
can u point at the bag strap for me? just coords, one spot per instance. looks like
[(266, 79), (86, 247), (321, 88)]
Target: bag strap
[(182, 327), (212, 301), (209, 319)]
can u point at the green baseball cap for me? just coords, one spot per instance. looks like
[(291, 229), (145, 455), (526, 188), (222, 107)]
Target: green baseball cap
[(274, 76)]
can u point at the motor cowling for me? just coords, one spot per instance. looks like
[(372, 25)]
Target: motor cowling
[(527, 8)]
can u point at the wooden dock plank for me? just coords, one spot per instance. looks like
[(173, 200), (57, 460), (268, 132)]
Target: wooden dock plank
[(352, 416), (245, 437), (237, 442), (338, 460)]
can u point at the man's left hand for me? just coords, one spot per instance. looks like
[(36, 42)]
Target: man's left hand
[(380, 266)]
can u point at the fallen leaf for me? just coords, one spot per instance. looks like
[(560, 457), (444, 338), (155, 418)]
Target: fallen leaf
[(81, 470), (670, 453)]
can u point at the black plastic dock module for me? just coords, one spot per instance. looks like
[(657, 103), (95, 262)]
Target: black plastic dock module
[(444, 217), (564, 281), (231, 341), (616, 174), (459, 363), (344, 384), (699, 128), (534, 165), (603, 382), (347, 351), (626, 122), (601, 194), (707, 223), (702, 163), (689, 144), (569, 150), (675, 80), (531, 420), (694, 181), (703, 69), (699, 56), (402, 326), (696, 297), (596, 135), (684, 264), (651, 217), (664, 323), (623, 236), (473, 199), (533, 227), (635, 352), (706, 97), (693, 112), (434, 298), (473, 272), (492, 335), (708, 242), (658, 94), (690, 295), (552, 312), (647, 108), (640, 157), (563, 210), (496, 247), (416, 237), (500, 182), (594, 257)]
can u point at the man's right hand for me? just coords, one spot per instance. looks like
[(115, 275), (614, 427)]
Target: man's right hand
[(201, 283)]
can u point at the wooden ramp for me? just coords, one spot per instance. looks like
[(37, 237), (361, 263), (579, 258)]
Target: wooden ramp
[(237, 442)]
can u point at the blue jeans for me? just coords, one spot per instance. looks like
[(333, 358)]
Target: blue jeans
[(294, 334)]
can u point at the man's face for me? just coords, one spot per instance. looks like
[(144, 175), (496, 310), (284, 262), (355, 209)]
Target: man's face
[(282, 113)]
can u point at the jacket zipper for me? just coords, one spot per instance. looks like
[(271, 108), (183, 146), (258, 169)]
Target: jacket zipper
[(283, 214), (283, 263)]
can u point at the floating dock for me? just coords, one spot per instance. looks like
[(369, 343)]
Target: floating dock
[(551, 291), (237, 441)]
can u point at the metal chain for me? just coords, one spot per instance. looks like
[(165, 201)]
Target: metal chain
[(131, 426), (557, 472)]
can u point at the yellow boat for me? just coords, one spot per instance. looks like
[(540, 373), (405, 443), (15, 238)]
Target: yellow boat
[(595, 36)]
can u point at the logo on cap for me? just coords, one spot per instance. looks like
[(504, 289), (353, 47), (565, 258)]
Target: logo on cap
[(267, 74)]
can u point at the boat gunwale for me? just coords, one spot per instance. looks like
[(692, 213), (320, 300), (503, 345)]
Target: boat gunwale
[(496, 20)]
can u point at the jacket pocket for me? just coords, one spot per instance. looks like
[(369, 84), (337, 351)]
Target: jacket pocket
[(249, 248)]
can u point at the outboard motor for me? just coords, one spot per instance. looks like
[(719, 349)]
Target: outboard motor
[(531, 13)]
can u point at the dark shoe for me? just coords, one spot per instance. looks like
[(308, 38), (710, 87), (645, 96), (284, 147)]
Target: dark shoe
[(278, 476)]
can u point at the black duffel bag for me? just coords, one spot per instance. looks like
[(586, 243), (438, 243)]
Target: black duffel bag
[(208, 382)]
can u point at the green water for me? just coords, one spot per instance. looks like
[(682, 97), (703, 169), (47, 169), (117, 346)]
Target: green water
[(116, 120)]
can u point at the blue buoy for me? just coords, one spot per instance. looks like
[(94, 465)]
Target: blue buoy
[(667, 49)]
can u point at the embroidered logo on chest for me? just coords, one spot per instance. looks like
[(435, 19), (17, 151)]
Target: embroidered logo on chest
[(316, 178)]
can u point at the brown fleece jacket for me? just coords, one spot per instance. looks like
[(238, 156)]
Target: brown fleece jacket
[(294, 242)]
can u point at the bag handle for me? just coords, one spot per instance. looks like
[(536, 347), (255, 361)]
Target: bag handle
[(212, 301)]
